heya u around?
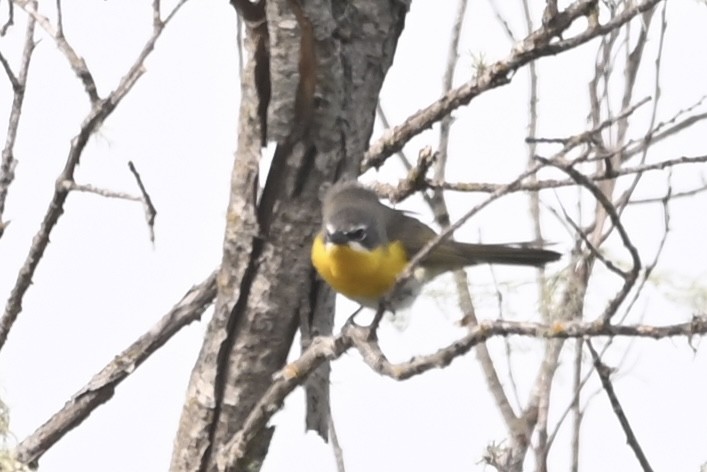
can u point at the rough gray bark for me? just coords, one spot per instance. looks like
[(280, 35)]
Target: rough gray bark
[(266, 284)]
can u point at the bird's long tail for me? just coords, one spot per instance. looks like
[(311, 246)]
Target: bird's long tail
[(454, 254), (505, 254)]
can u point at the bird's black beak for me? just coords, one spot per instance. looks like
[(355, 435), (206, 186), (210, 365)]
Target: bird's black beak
[(337, 237)]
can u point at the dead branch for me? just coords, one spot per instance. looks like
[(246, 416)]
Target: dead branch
[(552, 183), (604, 372), (76, 62), (102, 386), (18, 82), (538, 44), (100, 110), (321, 349), (88, 188), (150, 210), (364, 340)]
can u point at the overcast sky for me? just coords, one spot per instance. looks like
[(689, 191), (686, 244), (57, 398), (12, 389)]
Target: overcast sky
[(102, 283)]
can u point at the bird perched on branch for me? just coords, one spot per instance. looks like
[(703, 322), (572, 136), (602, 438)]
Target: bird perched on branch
[(364, 245)]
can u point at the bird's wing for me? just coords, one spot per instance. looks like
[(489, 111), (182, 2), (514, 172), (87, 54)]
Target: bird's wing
[(414, 234), (450, 254)]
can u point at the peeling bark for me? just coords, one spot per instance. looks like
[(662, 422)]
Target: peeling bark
[(328, 61)]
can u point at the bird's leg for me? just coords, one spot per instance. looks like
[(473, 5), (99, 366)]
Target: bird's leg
[(350, 320)]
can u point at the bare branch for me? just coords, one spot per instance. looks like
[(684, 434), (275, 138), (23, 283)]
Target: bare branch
[(578, 384), (336, 446), (87, 188), (100, 110), (603, 371), (488, 329), (19, 81), (413, 181), (537, 44), (438, 206), (364, 340), (77, 63), (102, 386), (150, 210), (629, 277), (386, 124), (504, 23), (156, 13), (292, 375), (10, 18), (59, 20), (673, 197), (8, 71), (549, 183)]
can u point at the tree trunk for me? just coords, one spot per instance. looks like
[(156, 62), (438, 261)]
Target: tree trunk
[(318, 67)]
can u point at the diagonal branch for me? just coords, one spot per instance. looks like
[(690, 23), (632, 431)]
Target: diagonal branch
[(102, 386), (603, 371), (77, 63), (536, 45), (150, 210)]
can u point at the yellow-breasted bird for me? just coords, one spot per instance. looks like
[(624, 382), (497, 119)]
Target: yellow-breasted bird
[(363, 246)]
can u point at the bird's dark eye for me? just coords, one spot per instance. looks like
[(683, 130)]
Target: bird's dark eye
[(357, 234)]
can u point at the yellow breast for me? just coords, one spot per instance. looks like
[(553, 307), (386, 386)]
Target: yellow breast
[(360, 275)]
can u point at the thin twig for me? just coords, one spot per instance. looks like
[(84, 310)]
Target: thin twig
[(59, 20), (100, 110), (673, 197), (536, 45), (438, 206), (574, 406), (336, 446), (8, 71), (19, 82), (603, 371), (503, 21), (87, 188), (10, 18), (629, 277), (150, 210), (386, 125), (550, 183)]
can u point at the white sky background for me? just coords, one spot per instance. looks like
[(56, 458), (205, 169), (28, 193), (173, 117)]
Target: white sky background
[(102, 284)]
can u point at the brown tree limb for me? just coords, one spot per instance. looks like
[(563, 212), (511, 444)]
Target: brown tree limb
[(102, 386), (538, 44), (491, 328), (363, 339)]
